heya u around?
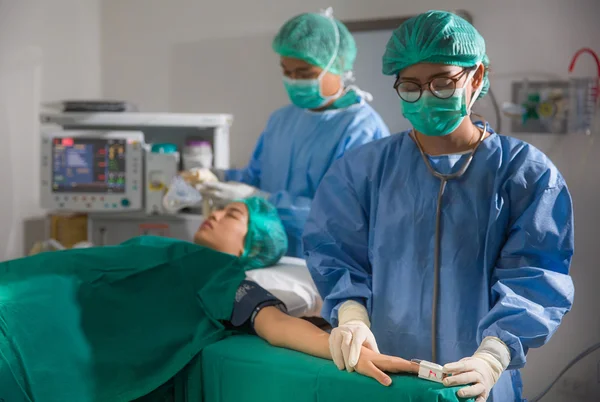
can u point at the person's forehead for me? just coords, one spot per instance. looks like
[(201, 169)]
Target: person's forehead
[(290, 63), (424, 71)]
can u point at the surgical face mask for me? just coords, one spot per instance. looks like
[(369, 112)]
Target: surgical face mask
[(306, 94), (437, 117)]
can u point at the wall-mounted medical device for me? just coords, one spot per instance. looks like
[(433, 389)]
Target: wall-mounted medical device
[(92, 171)]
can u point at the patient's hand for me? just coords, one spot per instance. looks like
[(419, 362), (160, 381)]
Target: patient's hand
[(372, 364)]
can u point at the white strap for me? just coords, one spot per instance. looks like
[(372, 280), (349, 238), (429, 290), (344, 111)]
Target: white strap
[(363, 94), (328, 12), (347, 80)]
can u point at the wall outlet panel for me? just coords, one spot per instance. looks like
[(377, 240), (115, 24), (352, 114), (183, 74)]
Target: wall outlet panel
[(519, 96)]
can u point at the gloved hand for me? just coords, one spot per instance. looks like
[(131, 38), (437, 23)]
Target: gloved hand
[(346, 341), (480, 372), (227, 192), (197, 176)]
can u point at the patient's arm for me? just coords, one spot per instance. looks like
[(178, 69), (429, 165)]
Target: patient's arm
[(282, 330), (285, 331)]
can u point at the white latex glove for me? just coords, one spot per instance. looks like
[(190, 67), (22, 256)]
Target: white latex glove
[(227, 192), (480, 372), (197, 176), (353, 332)]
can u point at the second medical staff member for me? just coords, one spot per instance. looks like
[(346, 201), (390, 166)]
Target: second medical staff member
[(327, 118), (505, 229)]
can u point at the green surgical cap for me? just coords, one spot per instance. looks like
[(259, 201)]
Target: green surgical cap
[(437, 37), (312, 38), (266, 241)]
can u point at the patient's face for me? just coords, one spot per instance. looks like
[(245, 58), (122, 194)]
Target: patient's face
[(225, 230)]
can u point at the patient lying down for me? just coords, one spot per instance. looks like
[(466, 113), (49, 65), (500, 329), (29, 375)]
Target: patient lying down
[(252, 230)]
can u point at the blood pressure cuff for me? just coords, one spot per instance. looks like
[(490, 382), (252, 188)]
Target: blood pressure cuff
[(250, 298)]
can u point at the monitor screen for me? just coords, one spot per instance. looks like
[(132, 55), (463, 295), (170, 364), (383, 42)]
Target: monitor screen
[(88, 165)]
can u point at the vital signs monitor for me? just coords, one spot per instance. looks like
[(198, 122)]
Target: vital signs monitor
[(92, 170)]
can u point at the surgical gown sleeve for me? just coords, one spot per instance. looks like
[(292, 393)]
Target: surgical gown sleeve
[(531, 287), (251, 173), (336, 241)]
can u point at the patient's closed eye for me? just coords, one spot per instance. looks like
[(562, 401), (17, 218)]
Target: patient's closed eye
[(235, 213)]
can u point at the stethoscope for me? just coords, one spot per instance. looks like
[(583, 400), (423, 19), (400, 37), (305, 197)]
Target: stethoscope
[(444, 178)]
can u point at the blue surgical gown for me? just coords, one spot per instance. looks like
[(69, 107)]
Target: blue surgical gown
[(294, 152), (506, 248)]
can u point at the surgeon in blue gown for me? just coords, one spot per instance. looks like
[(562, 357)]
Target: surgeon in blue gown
[(506, 226), (328, 116)]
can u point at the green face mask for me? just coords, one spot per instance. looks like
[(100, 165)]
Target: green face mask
[(437, 117), (306, 94), (434, 116)]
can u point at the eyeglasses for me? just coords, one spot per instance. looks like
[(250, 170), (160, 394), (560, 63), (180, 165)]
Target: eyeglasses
[(440, 87)]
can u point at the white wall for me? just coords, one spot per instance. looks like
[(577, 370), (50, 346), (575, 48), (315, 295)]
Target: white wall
[(198, 56), (49, 50)]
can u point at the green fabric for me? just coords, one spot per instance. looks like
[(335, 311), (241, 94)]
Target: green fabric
[(266, 241), (246, 368), (311, 37), (437, 37), (348, 99), (110, 323)]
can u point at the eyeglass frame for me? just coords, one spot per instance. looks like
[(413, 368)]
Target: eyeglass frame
[(455, 78)]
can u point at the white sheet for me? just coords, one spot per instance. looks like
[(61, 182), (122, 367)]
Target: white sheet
[(291, 283)]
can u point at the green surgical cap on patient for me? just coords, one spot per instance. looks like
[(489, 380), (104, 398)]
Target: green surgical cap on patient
[(266, 240), (312, 38), (437, 37)]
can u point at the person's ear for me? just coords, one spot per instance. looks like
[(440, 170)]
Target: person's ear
[(478, 77)]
